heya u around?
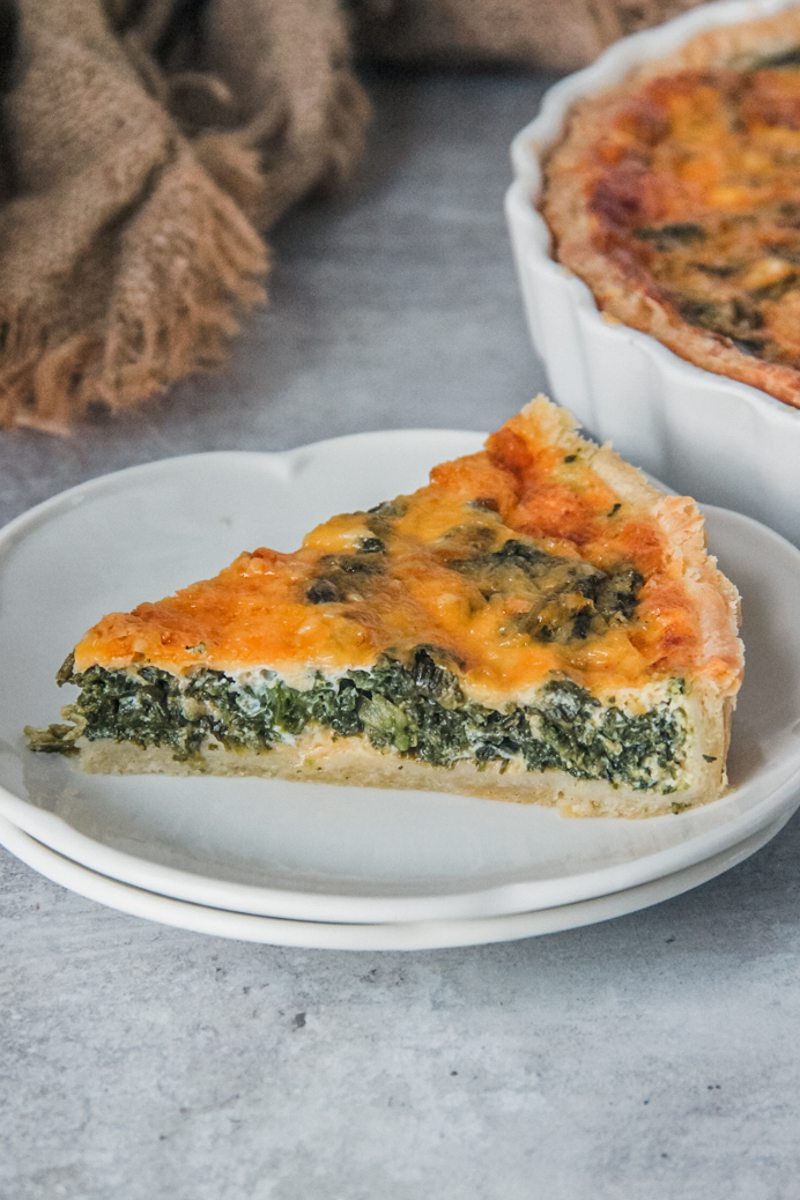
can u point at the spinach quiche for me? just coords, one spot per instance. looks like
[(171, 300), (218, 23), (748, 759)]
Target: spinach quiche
[(537, 624), (676, 197)]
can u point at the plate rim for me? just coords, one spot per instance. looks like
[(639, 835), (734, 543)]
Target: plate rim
[(493, 899), (368, 938), (97, 483)]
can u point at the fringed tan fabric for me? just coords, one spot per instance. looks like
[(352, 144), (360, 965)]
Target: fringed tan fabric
[(551, 34), (145, 146)]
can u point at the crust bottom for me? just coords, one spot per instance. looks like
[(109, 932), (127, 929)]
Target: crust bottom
[(351, 762)]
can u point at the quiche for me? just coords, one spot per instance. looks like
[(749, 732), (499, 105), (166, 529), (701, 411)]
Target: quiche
[(676, 197), (538, 623)]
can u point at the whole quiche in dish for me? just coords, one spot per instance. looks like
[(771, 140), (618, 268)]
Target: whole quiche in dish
[(676, 197)]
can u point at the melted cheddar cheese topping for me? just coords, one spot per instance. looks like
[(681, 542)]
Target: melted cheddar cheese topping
[(515, 563), (693, 190)]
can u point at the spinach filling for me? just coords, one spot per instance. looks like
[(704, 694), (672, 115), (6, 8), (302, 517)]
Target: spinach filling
[(344, 577), (417, 709), (569, 598), (666, 237), (782, 58)]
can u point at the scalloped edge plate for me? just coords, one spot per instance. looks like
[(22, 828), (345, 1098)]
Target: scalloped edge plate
[(410, 936), (310, 852)]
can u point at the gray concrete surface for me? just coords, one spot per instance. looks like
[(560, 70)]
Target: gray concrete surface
[(655, 1056)]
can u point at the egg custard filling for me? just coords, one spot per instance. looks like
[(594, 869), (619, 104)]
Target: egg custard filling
[(537, 623)]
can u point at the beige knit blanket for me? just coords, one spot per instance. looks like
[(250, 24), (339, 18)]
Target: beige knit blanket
[(146, 145)]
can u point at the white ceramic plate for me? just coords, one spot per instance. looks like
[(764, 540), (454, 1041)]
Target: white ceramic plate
[(395, 935), (717, 439), (314, 852)]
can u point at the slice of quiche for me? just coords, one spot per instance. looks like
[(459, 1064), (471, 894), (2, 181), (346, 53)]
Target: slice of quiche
[(537, 624)]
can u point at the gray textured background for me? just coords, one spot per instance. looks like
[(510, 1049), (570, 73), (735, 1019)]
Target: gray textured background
[(654, 1056)]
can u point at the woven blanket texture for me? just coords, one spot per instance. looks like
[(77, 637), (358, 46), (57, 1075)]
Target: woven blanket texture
[(146, 146)]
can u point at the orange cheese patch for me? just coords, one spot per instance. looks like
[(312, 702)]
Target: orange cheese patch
[(431, 569), (693, 190)]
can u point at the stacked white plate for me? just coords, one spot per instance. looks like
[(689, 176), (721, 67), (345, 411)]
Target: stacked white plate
[(320, 866)]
